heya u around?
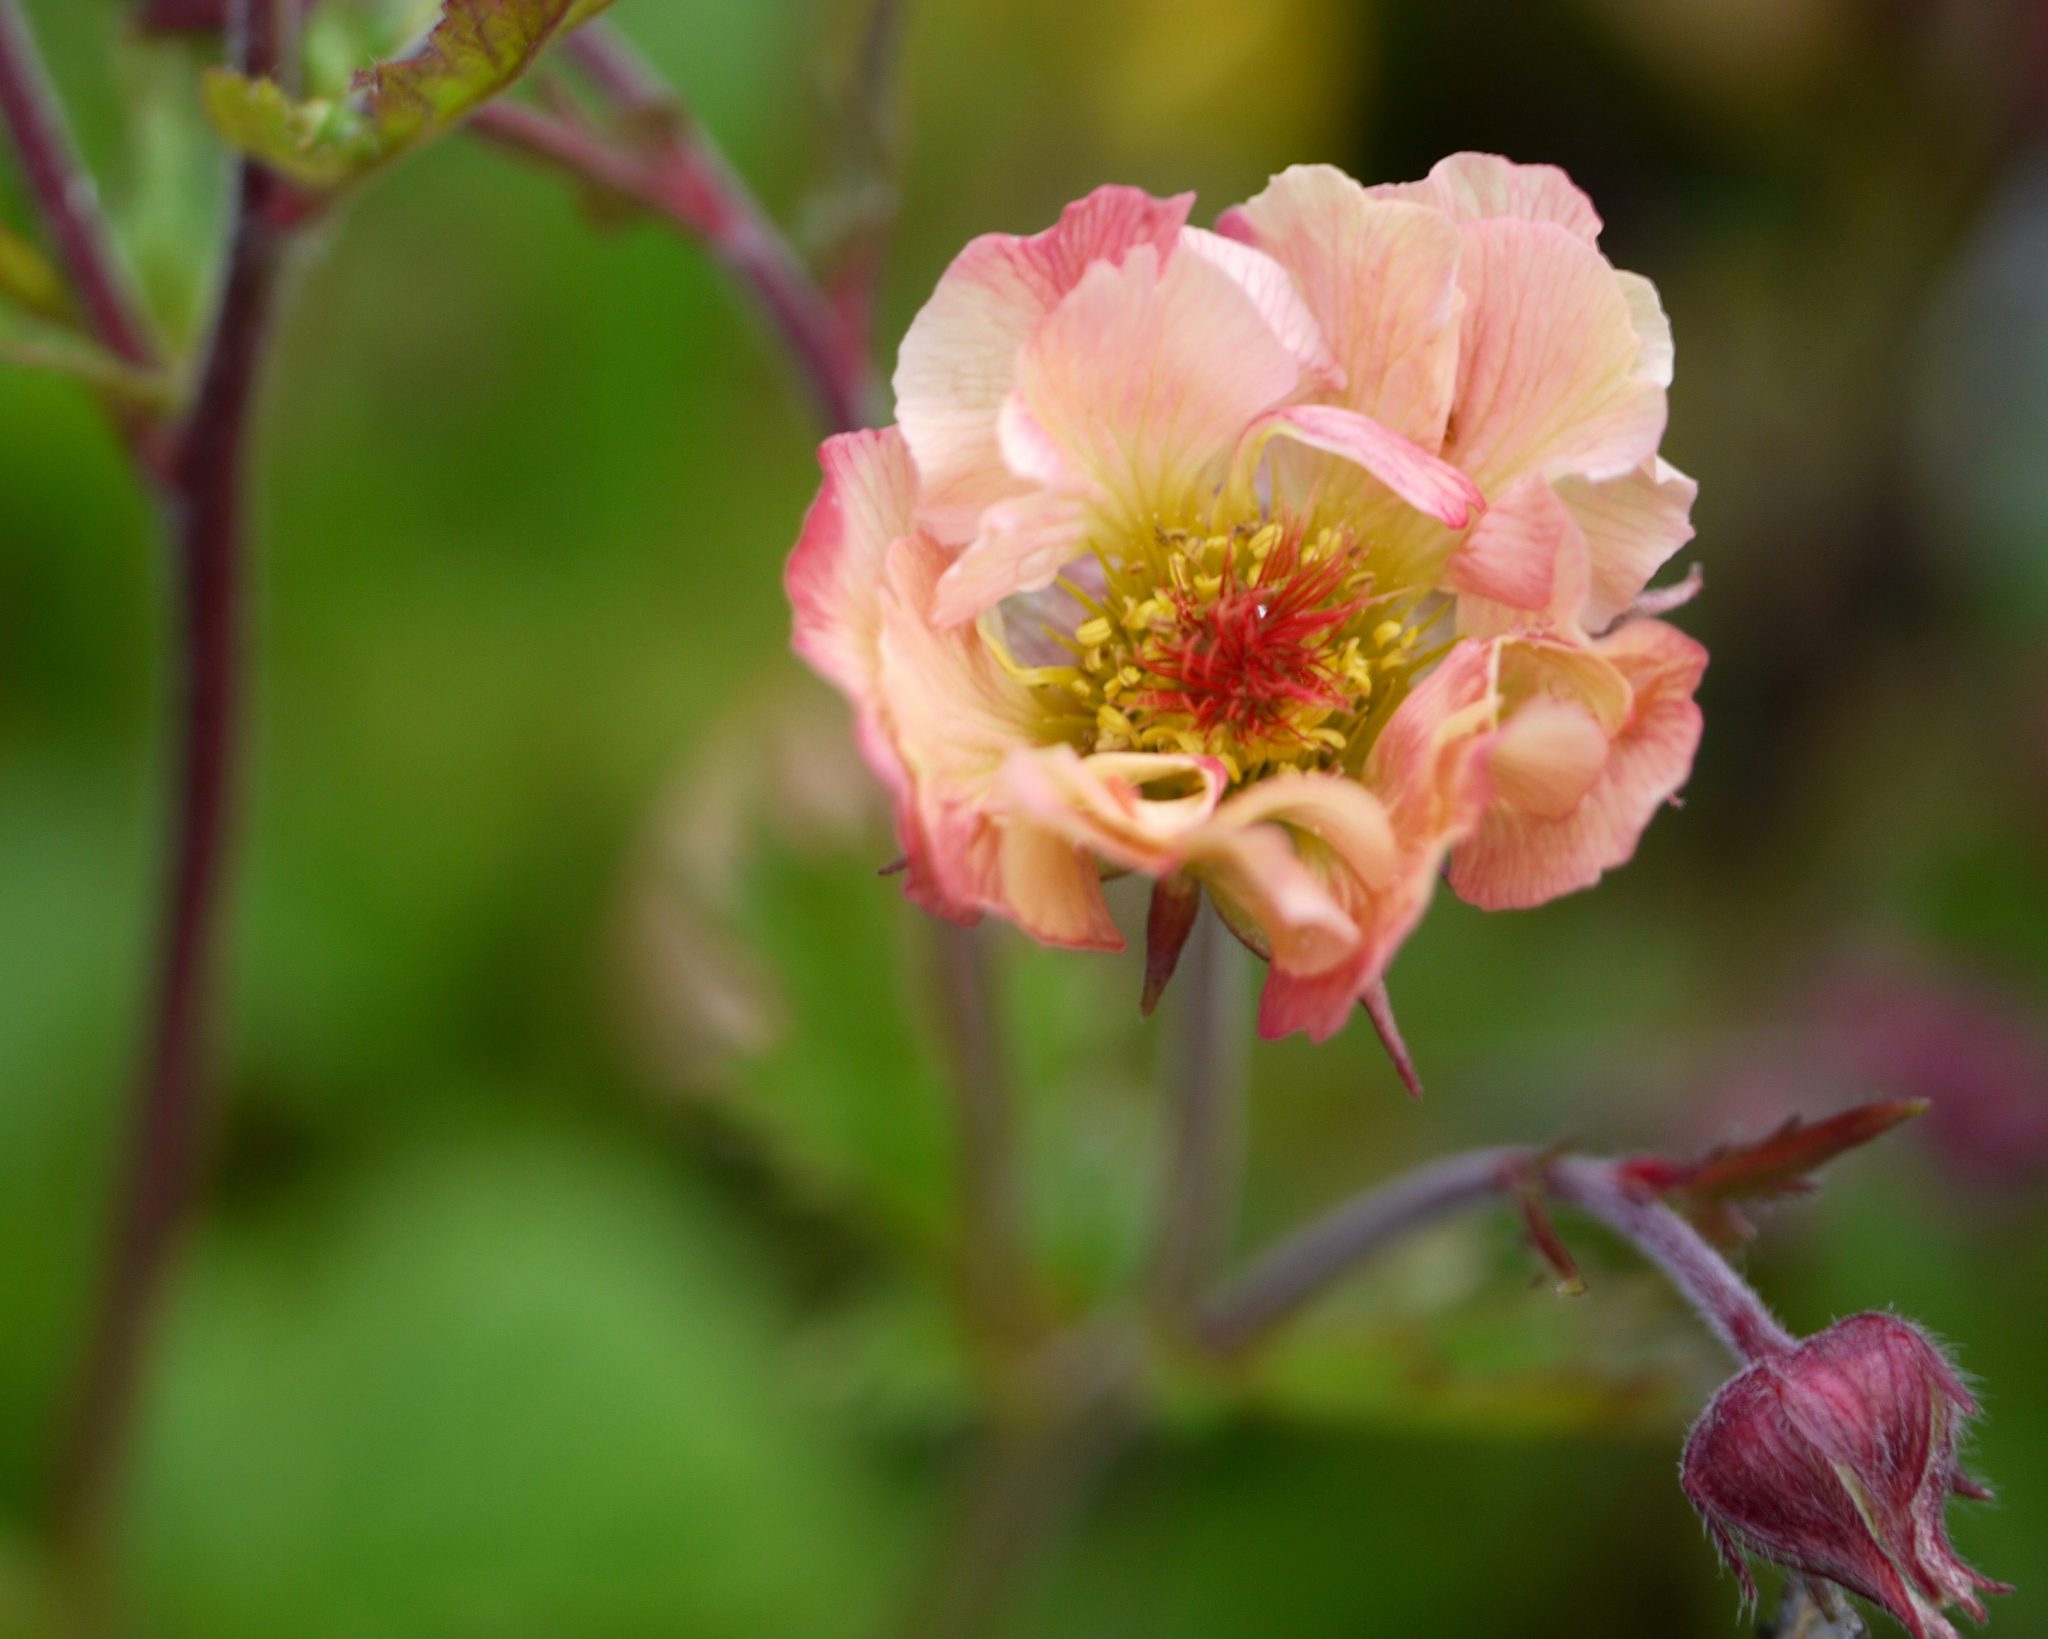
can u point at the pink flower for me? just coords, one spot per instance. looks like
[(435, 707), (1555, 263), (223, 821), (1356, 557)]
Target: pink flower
[(1303, 557), (1836, 1459)]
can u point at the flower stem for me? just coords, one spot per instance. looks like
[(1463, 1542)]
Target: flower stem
[(1308, 1263), (994, 1272), (675, 171), (1204, 1072), (64, 194), (1731, 1309), (206, 515)]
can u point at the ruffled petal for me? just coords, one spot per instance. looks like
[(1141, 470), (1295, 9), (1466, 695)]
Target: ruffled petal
[(1112, 803), (1427, 779), (1305, 926), (1429, 763), (834, 576), (952, 715), (1532, 847), (1380, 277), (1633, 525), (1298, 857), (1130, 398), (1430, 486), (1273, 292), (959, 358), (1483, 187), (1656, 356), (1527, 562), (1550, 373), (1054, 890), (1022, 545)]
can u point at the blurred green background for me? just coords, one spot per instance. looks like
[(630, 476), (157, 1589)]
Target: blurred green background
[(573, 1262)]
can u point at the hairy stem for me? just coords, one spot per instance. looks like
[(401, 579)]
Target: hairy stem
[(64, 195), (1731, 1309), (206, 515), (1308, 1263), (1203, 1091)]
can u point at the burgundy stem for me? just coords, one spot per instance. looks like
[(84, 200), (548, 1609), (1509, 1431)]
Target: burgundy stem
[(681, 176), (1308, 1263), (1723, 1298), (64, 194), (206, 515)]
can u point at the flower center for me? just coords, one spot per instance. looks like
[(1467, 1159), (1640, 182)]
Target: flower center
[(1262, 646)]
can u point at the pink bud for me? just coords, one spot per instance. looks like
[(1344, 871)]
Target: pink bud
[(1835, 1458)]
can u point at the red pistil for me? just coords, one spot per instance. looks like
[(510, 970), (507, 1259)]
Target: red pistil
[(1255, 655)]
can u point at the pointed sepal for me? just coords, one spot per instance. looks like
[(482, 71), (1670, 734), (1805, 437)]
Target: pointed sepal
[(1176, 902), (1379, 1007)]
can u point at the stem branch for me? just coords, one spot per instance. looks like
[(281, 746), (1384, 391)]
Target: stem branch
[(64, 194), (1306, 1264), (205, 509), (674, 170)]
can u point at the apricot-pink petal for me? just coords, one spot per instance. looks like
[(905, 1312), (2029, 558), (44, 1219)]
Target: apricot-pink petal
[(834, 577), (1274, 293), (1550, 374), (1657, 355), (1101, 802), (1380, 277), (1130, 398), (835, 580), (1528, 560), (1292, 914), (1429, 763), (1433, 487), (1428, 773), (1633, 525), (1530, 847), (1547, 757), (1053, 889), (959, 358), (954, 716), (1021, 546), (1473, 187)]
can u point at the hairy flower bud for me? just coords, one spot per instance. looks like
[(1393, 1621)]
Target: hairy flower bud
[(1835, 1459)]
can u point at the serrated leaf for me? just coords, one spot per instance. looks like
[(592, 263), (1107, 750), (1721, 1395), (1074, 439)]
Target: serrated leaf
[(1777, 1166), (476, 50)]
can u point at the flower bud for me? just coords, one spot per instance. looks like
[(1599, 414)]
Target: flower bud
[(1835, 1459)]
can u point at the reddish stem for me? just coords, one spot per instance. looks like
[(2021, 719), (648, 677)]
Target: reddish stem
[(64, 194), (1734, 1312), (205, 508), (676, 172), (1306, 1264)]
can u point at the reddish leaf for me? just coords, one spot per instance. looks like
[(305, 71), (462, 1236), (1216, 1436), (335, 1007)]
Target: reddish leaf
[(1776, 1166), (1176, 901), (1549, 1245)]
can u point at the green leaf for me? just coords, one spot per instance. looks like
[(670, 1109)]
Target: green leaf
[(476, 50), (27, 279), (37, 332)]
